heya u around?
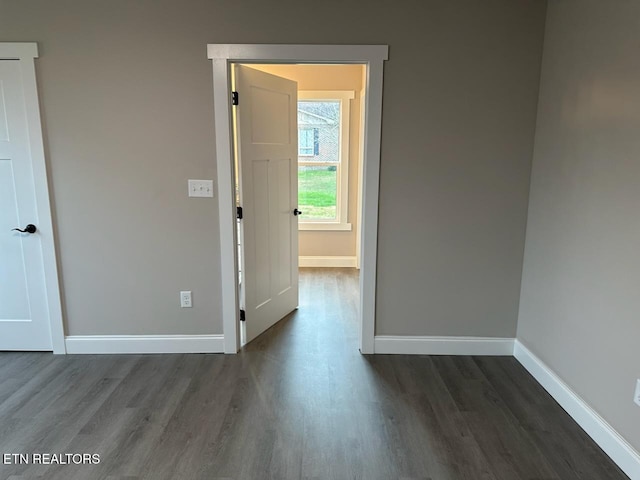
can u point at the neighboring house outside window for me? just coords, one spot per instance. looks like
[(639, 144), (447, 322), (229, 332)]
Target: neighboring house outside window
[(323, 159), (308, 138)]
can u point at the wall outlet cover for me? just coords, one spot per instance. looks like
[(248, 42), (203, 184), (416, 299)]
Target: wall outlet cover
[(185, 299), (636, 396)]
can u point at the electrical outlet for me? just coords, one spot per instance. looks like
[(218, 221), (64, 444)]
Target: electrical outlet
[(185, 299), (636, 396)]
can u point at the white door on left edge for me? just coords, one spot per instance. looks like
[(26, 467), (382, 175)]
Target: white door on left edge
[(24, 314), (267, 152)]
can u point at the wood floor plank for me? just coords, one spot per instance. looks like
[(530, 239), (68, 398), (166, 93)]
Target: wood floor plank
[(492, 424), (299, 402), (571, 452)]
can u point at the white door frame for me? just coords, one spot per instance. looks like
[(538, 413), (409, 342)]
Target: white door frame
[(25, 53), (373, 57)]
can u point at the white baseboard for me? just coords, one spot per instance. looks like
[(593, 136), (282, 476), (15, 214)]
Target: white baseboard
[(97, 344), (613, 444), (307, 261), (443, 345)]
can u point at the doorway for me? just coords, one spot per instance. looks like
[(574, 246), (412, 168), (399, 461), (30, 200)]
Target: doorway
[(326, 169), (372, 56)]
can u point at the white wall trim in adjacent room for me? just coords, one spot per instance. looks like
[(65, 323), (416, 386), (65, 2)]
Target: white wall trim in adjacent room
[(98, 344), (327, 261), (325, 227), (414, 345), (613, 444)]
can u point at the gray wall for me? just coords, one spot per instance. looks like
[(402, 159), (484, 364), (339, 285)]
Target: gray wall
[(580, 300), (459, 115), (127, 104)]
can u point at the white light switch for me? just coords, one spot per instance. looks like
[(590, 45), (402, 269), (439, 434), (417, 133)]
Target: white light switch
[(201, 188)]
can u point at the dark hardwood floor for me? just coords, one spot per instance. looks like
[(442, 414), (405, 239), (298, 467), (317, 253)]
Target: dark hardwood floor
[(299, 402)]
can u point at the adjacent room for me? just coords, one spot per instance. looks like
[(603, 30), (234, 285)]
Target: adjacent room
[(318, 179), (376, 240)]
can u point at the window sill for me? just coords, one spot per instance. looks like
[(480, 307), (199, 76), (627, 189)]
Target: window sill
[(325, 226)]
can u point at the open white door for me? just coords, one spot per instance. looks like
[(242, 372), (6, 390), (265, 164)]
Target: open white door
[(24, 313), (266, 128)]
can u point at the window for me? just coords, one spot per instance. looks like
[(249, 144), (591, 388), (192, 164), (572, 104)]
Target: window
[(323, 159), (308, 142)]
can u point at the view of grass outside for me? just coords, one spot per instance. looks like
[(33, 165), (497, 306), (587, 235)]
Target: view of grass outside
[(317, 187), (318, 159)]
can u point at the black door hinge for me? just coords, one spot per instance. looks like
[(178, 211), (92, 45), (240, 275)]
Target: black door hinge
[(239, 212), (243, 316), (234, 98)]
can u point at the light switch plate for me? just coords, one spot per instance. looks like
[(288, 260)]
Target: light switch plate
[(201, 188)]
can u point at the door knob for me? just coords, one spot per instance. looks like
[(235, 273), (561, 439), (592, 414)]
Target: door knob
[(31, 228), (296, 212)]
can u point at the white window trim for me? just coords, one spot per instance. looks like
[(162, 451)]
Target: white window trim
[(342, 195)]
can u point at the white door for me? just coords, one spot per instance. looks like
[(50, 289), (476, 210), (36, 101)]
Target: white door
[(24, 314), (266, 126)]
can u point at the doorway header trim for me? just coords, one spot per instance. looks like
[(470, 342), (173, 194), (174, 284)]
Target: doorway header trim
[(299, 53)]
